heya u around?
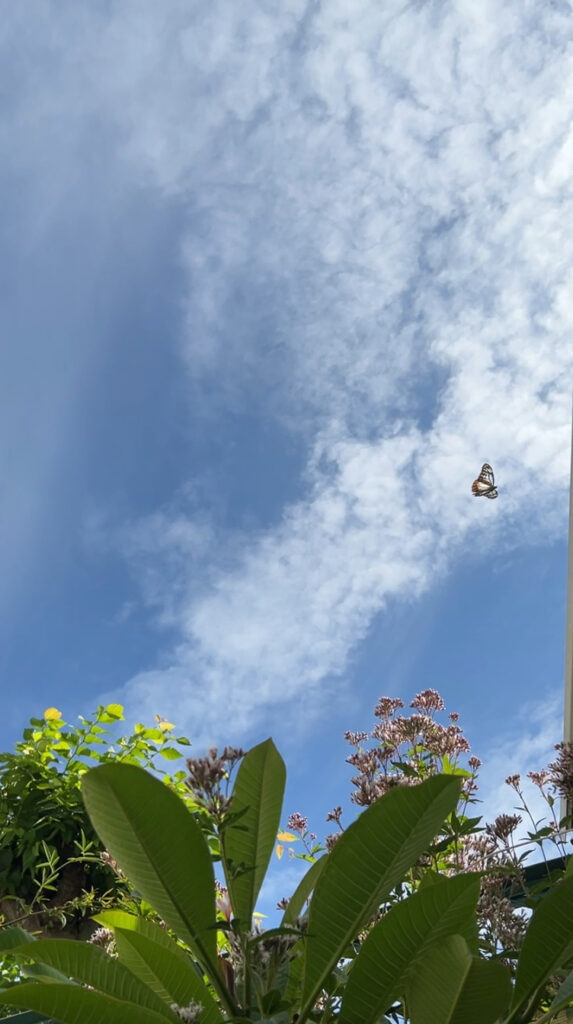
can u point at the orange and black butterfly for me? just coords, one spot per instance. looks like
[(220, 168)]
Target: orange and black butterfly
[(484, 486)]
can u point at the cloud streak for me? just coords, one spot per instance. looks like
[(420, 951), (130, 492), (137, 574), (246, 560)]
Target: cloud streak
[(394, 215)]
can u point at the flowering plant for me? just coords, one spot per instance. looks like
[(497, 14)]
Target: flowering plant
[(339, 960), (403, 750)]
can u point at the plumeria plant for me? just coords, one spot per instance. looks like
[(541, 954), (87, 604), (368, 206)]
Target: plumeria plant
[(384, 926)]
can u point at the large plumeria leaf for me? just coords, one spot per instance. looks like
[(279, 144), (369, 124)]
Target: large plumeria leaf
[(486, 994), (292, 982), (71, 1004), (548, 944), (29, 1018), (147, 950), (303, 891), (42, 972), (450, 986), (394, 946), (167, 971), (12, 937), (18, 938), (367, 862), (163, 852), (248, 843), (89, 965)]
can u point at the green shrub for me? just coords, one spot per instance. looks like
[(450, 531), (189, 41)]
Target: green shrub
[(53, 868)]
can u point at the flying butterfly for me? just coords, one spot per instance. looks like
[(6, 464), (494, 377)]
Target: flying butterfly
[(484, 486)]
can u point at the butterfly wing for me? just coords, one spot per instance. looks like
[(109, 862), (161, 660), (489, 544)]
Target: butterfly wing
[(480, 487), (487, 473), (484, 486)]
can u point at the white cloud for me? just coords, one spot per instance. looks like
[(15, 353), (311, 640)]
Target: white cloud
[(527, 745), (391, 205), (377, 200)]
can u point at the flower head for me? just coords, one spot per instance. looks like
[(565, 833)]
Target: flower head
[(52, 715), (428, 700), (386, 706), (298, 823), (561, 770)]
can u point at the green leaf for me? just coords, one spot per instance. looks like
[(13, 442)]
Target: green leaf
[(10, 938), (449, 986), (303, 891), (170, 754), (548, 944), (42, 972), (294, 972), (70, 1004), (369, 859), (394, 946), (89, 965), (159, 846), (248, 844), (111, 713), (564, 995), (28, 1018), (147, 950), (169, 972)]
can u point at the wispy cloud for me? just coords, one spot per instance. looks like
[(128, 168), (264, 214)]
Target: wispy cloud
[(378, 254), (388, 212), (528, 745)]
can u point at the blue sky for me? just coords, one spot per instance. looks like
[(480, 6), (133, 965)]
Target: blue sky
[(278, 278)]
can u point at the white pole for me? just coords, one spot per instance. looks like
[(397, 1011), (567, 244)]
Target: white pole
[(568, 710)]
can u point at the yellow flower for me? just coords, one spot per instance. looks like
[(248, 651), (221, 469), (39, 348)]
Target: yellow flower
[(163, 723), (52, 714)]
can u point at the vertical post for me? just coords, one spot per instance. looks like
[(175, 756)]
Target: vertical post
[(568, 710)]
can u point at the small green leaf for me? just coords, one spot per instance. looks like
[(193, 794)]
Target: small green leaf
[(170, 754)]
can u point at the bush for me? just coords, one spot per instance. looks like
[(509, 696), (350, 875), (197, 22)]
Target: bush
[(53, 867)]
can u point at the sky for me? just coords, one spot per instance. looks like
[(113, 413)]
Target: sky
[(277, 279)]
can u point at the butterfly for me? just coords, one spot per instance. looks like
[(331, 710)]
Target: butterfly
[(484, 486)]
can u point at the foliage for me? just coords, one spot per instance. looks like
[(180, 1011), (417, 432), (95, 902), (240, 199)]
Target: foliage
[(406, 917), (420, 961), (403, 750), (50, 855)]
